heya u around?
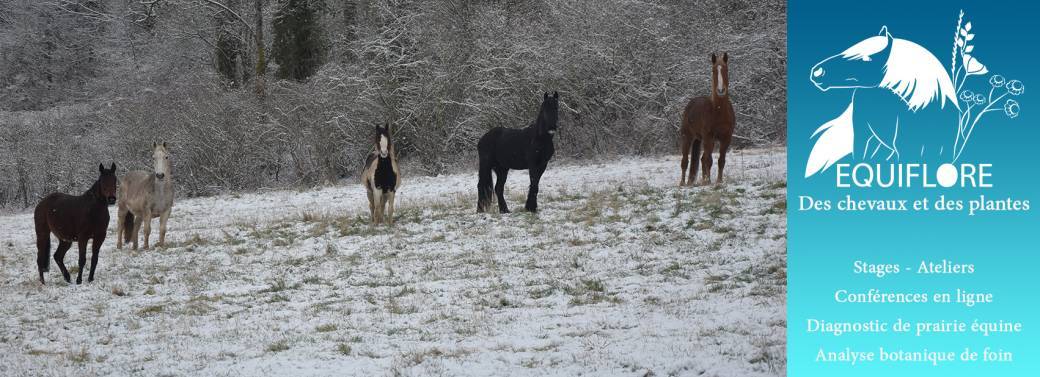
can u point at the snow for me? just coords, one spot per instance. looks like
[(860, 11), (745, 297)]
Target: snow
[(620, 273)]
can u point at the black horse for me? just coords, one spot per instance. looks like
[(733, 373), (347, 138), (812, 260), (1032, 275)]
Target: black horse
[(501, 149), (75, 219)]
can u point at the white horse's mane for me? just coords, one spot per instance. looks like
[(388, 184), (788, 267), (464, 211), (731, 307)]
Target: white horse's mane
[(911, 72)]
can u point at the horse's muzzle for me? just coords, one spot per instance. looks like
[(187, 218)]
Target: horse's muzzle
[(111, 200), (160, 175)]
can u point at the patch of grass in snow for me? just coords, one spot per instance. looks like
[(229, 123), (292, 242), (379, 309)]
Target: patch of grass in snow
[(231, 239), (37, 352), (675, 270), (279, 285), (328, 327), (394, 307), (151, 310), (280, 234), (779, 207), (79, 356), (716, 202), (589, 292), (278, 346), (343, 349), (118, 290), (277, 298), (193, 241)]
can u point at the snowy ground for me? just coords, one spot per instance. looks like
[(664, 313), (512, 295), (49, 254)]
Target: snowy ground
[(621, 273)]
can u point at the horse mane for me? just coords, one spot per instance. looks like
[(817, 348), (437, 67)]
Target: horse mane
[(917, 76)]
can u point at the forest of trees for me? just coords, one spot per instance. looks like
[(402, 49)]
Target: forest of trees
[(275, 93)]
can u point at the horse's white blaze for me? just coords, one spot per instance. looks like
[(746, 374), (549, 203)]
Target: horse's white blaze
[(719, 84), (383, 143)]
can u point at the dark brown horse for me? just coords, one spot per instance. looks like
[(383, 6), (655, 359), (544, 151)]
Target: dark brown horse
[(705, 120), (75, 219)]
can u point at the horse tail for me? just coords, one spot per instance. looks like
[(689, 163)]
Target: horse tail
[(834, 141), (43, 241), (484, 185), (128, 226)]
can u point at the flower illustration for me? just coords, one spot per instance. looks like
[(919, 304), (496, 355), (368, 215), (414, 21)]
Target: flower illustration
[(996, 81), (967, 95), (1011, 108), (1015, 87), (980, 99)]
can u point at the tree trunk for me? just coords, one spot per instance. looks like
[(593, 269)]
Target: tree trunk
[(261, 63)]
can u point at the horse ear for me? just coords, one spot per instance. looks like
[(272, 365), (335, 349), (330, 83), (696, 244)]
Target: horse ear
[(713, 58), (556, 95), (164, 145), (725, 57), (884, 31), (101, 167), (545, 95), (113, 169), (154, 144)]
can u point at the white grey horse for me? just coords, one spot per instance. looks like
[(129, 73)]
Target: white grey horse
[(144, 196)]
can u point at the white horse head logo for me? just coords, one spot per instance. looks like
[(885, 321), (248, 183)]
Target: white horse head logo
[(904, 67)]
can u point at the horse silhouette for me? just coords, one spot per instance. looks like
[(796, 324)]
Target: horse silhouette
[(901, 67)]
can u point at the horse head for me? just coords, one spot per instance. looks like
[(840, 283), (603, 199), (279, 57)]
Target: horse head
[(720, 75), (107, 183), (383, 139), (881, 61), (859, 66), (161, 157), (549, 114)]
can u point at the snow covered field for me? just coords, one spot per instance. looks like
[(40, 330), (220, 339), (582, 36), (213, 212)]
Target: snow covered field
[(621, 273)]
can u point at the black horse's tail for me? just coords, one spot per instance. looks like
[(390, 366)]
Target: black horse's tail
[(43, 242), (128, 226), (484, 188)]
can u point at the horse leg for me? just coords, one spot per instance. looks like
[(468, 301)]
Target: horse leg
[(137, 230), (532, 192), (59, 257), (95, 249), (500, 189), (146, 225), (695, 151), (371, 202), (390, 208), (709, 146), (120, 219), (162, 227), (377, 214), (684, 147), (723, 147), (43, 250), (82, 258)]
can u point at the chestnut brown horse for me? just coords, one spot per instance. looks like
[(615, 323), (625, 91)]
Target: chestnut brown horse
[(75, 219), (706, 120)]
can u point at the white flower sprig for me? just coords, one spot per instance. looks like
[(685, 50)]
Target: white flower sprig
[(971, 66)]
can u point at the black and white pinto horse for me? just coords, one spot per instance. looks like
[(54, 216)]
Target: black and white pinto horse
[(530, 148)]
